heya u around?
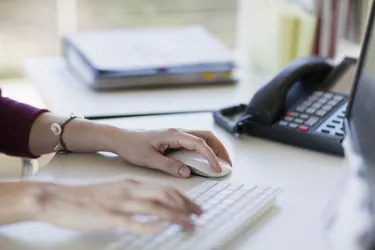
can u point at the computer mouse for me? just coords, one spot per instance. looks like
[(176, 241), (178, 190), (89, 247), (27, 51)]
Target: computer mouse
[(198, 164)]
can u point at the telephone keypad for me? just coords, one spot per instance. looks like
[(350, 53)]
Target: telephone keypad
[(317, 109)]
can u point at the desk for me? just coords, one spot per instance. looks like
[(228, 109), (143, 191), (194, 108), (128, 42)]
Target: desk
[(307, 178), (64, 94)]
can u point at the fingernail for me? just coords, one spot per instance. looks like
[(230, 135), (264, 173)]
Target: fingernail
[(199, 211), (184, 171)]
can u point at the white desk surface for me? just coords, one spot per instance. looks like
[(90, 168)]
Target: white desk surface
[(64, 94), (308, 179)]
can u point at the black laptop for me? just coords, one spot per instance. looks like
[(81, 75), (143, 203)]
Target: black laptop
[(359, 126)]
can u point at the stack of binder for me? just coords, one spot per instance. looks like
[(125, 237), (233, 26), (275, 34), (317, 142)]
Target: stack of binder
[(132, 58)]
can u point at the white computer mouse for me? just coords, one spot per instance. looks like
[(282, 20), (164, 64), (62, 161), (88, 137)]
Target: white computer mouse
[(198, 164)]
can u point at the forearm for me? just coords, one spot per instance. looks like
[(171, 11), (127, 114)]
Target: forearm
[(79, 135)]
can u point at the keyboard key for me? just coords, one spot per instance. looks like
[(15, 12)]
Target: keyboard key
[(325, 131), (339, 134), (311, 121), (299, 121), (293, 125), (327, 107), (283, 123), (321, 112), (304, 116), (336, 121), (288, 118), (331, 126), (303, 128), (341, 116), (310, 111)]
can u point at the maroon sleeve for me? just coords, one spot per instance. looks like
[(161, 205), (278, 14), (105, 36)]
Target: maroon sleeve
[(16, 120)]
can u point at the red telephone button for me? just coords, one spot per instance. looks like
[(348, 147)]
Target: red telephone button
[(303, 128), (288, 113)]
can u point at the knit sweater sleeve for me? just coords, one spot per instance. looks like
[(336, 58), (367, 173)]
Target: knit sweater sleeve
[(16, 120)]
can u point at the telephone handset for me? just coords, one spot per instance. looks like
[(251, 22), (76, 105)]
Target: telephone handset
[(295, 107)]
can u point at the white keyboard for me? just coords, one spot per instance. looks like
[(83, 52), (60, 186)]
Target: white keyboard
[(228, 210)]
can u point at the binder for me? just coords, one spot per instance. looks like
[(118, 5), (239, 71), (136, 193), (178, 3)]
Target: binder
[(152, 57)]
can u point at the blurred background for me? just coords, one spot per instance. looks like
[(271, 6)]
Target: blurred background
[(33, 28)]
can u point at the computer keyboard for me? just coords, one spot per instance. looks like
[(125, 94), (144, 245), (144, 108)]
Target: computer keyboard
[(229, 208)]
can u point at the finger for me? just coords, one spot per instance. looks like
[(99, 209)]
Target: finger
[(145, 207), (212, 141), (188, 202), (143, 228), (166, 196), (199, 145), (169, 165)]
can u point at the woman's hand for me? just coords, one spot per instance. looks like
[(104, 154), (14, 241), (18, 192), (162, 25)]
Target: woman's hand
[(146, 148), (114, 205)]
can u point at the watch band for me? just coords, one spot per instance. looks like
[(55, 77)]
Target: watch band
[(58, 130)]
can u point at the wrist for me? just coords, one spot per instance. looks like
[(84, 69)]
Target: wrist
[(108, 139), (29, 202)]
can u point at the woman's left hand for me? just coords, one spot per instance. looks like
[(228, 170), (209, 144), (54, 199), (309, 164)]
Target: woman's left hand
[(146, 148)]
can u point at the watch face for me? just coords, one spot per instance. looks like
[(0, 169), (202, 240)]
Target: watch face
[(56, 129)]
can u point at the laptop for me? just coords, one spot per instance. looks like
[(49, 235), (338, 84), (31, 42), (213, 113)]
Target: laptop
[(351, 223)]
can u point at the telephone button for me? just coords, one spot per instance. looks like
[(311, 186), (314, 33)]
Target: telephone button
[(294, 114), (283, 123), (333, 102), (310, 111), (288, 118), (327, 107), (338, 97), (303, 128), (311, 121), (321, 113), (318, 93), (299, 121), (316, 105), (293, 125), (304, 116), (301, 108)]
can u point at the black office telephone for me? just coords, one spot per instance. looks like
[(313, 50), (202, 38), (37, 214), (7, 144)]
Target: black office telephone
[(297, 107)]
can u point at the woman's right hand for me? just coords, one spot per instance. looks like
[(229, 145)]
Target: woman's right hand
[(114, 205)]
